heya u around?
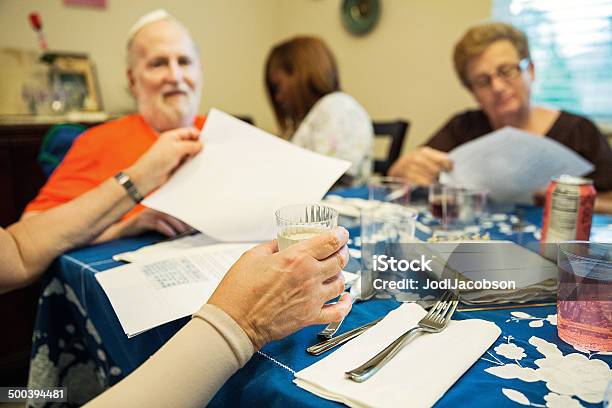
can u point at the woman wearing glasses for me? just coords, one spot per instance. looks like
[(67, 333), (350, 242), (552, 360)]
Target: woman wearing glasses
[(493, 62)]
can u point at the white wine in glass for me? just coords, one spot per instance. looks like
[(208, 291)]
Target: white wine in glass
[(300, 222)]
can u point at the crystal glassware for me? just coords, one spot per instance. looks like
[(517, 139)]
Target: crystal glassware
[(584, 297), (299, 222)]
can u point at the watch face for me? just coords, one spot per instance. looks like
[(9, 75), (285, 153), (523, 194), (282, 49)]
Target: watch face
[(360, 16)]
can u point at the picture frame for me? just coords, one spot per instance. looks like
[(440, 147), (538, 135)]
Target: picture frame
[(74, 81)]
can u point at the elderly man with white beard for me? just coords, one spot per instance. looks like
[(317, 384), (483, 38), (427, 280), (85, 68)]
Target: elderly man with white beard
[(165, 78)]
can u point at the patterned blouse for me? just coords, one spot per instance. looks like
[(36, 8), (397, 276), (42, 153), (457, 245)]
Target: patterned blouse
[(338, 126)]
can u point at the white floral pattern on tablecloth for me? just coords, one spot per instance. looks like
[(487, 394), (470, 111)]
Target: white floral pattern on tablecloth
[(534, 321), (60, 357), (570, 378)]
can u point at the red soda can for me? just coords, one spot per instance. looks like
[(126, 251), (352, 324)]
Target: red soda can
[(568, 211)]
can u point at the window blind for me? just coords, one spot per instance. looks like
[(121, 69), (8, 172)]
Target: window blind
[(571, 47)]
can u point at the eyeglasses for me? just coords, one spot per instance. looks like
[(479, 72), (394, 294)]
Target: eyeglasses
[(505, 72)]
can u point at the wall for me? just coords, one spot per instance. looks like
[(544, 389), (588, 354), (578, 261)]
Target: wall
[(233, 35), (403, 68), (400, 70)]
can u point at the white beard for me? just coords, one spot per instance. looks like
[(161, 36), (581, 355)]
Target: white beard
[(163, 115)]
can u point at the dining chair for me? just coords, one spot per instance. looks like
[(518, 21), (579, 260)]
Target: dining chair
[(246, 118), (56, 143), (396, 132)]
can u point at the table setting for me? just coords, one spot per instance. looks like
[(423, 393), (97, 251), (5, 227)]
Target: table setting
[(507, 354)]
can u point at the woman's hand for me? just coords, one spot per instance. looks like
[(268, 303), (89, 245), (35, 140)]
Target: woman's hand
[(271, 294), (421, 166)]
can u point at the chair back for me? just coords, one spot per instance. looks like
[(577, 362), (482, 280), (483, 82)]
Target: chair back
[(395, 131), (56, 143), (246, 118)]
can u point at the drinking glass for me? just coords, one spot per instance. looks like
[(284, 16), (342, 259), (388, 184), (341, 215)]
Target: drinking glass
[(472, 204), (299, 222), (383, 228), (584, 297), (390, 190), (444, 203)]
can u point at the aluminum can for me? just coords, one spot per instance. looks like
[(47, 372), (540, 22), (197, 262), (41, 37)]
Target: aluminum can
[(568, 210)]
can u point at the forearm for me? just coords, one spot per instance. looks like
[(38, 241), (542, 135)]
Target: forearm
[(603, 203), (189, 369), (34, 242), (109, 234), (44, 236)]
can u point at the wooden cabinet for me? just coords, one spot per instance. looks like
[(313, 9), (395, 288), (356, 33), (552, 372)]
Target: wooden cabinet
[(20, 175), (20, 180)]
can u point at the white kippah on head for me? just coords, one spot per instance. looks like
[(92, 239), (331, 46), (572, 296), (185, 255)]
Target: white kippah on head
[(150, 17)]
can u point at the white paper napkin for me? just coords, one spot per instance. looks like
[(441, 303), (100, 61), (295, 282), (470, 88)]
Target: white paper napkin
[(417, 376)]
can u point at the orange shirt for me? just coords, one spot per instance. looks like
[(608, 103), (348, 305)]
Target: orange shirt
[(96, 155)]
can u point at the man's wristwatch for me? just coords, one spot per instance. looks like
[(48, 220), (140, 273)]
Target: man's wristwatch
[(131, 189)]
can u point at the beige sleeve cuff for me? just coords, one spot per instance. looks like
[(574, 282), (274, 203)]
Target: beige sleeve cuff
[(189, 369), (236, 338)]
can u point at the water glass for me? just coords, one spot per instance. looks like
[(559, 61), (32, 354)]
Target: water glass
[(584, 297), (299, 222), (472, 204), (383, 227), (390, 190)]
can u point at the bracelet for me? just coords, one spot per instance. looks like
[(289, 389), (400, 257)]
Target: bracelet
[(124, 180)]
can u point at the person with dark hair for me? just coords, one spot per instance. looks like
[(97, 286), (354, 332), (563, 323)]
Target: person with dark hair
[(493, 63), (304, 89)]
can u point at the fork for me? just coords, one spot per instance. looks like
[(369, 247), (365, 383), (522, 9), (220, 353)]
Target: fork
[(436, 320), (356, 295)]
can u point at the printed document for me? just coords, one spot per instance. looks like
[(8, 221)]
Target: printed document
[(155, 290), (147, 294), (512, 164), (165, 249), (231, 190)]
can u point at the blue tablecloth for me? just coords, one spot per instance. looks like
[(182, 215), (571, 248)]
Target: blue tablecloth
[(79, 343)]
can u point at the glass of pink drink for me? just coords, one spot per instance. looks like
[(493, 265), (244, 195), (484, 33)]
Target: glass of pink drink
[(584, 297)]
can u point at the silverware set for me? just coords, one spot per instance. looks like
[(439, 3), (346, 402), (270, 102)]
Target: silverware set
[(436, 320), (333, 342)]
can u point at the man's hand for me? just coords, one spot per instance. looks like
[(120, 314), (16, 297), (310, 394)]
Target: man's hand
[(421, 166), (166, 155), (151, 220), (271, 294)]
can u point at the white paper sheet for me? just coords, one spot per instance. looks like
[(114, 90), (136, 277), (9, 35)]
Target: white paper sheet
[(156, 289), (165, 249), (512, 164), (146, 295), (231, 190)]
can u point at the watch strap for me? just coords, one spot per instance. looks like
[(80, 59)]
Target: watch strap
[(125, 181)]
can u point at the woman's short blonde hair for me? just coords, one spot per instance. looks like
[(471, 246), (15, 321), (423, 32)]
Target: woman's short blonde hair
[(316, 72), (478, 38)]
